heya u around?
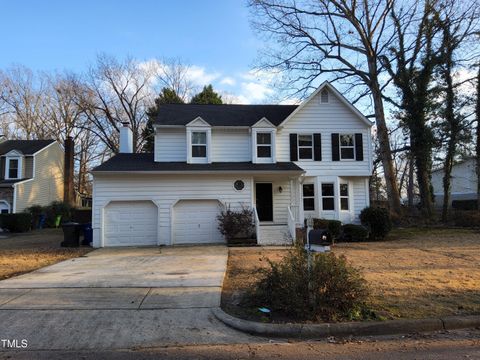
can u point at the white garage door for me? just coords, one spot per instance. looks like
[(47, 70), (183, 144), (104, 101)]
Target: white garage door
[(195, 222), (130, 223)]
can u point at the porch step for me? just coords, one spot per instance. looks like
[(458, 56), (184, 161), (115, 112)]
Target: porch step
[(274, 235)]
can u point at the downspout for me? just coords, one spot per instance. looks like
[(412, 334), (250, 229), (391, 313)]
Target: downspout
[(14, 207)]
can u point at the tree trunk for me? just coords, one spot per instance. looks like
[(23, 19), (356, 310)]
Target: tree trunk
[(478, 137), (411, 182), (385, 151), (448, 164)]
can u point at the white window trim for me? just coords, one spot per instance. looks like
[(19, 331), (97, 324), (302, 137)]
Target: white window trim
[(310, 197), (197, 160), (346, 147), (304, 147), (7, 167), (335, 205), (257, 160), (340, 197)]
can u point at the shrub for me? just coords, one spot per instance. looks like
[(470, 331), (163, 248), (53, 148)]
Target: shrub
[(36, 211), (467, 218), (377, 220), (329, 289), (58, 208), (334, 227), (82, 216), (236, 224), (465, 204), (352, 232), (20, 222)]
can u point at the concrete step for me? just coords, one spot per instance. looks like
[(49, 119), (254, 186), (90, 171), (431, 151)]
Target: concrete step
[(274, 235)]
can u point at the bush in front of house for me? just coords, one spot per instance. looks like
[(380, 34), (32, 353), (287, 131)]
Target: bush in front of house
[(20, 222), (58, 208), (377, 220), (328, 289), (334, 227), (352, 232), (36, 211), (465, 204), (234, 224)]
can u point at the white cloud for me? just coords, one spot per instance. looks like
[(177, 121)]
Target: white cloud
[(199, 75), (256, 91), (228, 81)]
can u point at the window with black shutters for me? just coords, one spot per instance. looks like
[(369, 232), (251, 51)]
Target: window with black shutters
[(305, 147), (308, 197), (328, 196), (347, 146)]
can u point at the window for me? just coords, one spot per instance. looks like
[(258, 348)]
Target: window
[(343, 196), (328, 197), (13, 168), (308, 197), (264, 145), (305, 147), (199, 144), (347, 146)]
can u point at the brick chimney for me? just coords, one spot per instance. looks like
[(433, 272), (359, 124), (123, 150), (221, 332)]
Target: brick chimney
[(126, 139), (68, 191)]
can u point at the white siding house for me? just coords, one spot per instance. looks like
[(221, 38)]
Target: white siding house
[(287, 163)]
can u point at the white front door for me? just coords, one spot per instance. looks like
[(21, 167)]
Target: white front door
[(130, 223), (195, 222)]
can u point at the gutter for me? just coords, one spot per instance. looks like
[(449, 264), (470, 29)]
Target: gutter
[(250, 172)]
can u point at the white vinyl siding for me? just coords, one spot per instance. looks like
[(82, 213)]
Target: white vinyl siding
[(165, 191), (171, 145), (231, 145), (326, 118)]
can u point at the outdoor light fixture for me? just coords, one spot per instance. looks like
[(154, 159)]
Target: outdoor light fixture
[(280, 189)]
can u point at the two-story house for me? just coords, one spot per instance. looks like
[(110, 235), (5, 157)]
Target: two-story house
[(285, 162), (31, 173)]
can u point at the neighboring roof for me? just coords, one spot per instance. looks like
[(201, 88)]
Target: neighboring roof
[(144, 163), (10, 182), (348, 104), (222, 115), (26, 147), (457, 162)]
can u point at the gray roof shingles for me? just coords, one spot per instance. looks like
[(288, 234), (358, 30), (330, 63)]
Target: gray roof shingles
[(222, 115), (26, 147), (145, 162)]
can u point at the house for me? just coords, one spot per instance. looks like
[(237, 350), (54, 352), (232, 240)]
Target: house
[(463, 182), (285, 162), (31, 173)]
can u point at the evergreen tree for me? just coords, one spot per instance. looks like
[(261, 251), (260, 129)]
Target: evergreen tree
[(166, 96), (207, 96)]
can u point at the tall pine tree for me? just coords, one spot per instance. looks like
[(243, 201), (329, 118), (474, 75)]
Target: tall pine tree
[(207, 96)]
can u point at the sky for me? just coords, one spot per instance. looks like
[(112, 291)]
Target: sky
[(214, 37)]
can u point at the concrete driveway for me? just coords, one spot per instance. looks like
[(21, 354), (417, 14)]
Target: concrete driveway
[(119, 298)]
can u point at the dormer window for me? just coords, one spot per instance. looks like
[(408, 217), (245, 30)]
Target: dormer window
[(264, 144), (13, 166), (199, 144)]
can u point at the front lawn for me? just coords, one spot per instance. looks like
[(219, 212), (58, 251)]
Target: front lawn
[(415, 273), (22, 253)]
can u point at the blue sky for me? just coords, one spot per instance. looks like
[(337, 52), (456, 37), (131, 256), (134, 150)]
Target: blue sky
[(214, 36)]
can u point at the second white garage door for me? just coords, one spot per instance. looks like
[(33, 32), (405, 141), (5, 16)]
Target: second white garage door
[(130, 223), (195, 222)]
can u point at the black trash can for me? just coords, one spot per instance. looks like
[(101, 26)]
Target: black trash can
[(71, 234)]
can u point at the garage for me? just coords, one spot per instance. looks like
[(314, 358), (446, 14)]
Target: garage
[(195, 222), (130, 223)]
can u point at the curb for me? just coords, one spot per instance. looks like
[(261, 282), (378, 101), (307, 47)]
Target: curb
[(310, 331)]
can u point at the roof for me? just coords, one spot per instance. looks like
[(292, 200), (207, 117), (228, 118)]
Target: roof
[(144, 162), (26, 147), (10, 182), (222, 115)]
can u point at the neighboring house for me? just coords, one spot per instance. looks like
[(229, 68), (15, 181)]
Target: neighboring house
[(285, 162), (463, 182), (31, 173)]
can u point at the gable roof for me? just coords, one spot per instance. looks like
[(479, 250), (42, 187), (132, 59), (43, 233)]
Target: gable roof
[(348, 104), (144, 162), (222, 115), (26, 147)]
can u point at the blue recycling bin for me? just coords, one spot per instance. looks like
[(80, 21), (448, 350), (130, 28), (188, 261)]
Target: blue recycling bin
[(87, 234)]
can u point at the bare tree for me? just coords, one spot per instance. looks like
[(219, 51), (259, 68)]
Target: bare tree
[(174, 74), (338, 37)]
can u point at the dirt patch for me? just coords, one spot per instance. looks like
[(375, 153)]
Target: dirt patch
[(416, 273), (22, 253)]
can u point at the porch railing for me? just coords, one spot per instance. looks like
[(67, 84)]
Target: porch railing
[(292, 223), (257, 224)]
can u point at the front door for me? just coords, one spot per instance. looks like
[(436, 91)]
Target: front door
[(264, 201)]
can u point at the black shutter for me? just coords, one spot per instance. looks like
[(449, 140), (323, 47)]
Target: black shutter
[(359, 147), (293, 147), (335, 147), (317, 147)]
